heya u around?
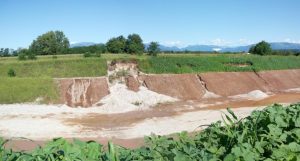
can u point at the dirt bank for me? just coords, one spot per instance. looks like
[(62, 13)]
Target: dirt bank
[(83, 92), (280, 80), (181, 86)]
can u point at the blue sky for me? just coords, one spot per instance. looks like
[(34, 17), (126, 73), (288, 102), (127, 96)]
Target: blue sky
[(170, 22)]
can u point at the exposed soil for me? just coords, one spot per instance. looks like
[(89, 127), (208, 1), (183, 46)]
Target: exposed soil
[(183, 86), (83, 92)]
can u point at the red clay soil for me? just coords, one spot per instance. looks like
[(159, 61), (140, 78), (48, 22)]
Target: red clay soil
[(181, 86), (82, 92), (282, 79), (233, 83), (132, 83)]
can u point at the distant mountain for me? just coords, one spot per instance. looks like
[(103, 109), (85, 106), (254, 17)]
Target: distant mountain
[(210, 48), (81, 44)]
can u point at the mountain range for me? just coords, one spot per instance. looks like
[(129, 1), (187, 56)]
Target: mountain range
[(210, 48)]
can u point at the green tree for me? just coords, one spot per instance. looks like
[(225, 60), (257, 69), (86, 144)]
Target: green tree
[(153, 49), (134, 44), (262, 48), (116, 45), (50, 43)]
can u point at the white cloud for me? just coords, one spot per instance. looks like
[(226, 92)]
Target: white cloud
[(224, 42), (173, 43), (291, 40), (73, 42), (220, 42)]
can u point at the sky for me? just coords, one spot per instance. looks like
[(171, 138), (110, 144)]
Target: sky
[(169, 22)]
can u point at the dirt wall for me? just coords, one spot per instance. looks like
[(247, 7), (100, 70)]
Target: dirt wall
[(233, 83), (181, 86), (281, 79), (82, 92)]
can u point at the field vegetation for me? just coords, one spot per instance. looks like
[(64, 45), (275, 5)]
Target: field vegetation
[(270, 134)]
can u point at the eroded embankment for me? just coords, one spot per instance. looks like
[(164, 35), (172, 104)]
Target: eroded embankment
[(86, 92)]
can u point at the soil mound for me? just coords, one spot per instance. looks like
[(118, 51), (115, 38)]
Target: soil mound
[(233, 83), (181, 86), (83, 92)]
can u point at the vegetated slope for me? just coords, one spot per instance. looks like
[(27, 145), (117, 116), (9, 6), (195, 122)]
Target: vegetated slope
[(273, 134), (19, 90), (56, 68), (217, 63)]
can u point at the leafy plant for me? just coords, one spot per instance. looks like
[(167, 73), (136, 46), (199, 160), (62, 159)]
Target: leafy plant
[(11, 72)]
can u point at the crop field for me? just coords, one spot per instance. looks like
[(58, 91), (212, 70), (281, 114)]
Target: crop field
[(272, 134)]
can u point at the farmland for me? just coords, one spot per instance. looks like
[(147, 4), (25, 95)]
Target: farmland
[(272, 133)]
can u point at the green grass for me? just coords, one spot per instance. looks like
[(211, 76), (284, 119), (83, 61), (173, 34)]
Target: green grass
[(55, 68), (18, 90), (216, 63)]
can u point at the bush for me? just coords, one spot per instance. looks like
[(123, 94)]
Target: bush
[(22, 56), (153, 49), (31, 56), (87, 54), (54, 57), (98, 54), (11, 72), (262, 48)]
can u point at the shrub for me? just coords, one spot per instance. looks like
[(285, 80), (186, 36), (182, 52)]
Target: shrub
[(22, 56), (54, 57), (98, 54), (87, 54), (262, 48), (31, 56), (11, 72), (153, 49)]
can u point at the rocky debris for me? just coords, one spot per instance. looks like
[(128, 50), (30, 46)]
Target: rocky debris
[(253, 95), (122, 100)]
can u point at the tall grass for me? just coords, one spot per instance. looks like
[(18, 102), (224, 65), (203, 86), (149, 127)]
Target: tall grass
[(217, 63), (18, 90), (56, 68)]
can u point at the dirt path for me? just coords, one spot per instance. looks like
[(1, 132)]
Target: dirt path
[(42, 123)]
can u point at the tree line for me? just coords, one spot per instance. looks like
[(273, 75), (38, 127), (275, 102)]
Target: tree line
[(55, 42)]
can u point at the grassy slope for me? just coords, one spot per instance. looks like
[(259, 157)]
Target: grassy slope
[(55, 68), (18, 90), (34, 77), (217, 63)]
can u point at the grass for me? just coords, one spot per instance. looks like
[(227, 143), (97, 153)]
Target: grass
[(217, 63), (18, 90), (55, 68)]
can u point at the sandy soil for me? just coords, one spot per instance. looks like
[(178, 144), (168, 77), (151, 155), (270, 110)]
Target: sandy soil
[(40, 122)]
